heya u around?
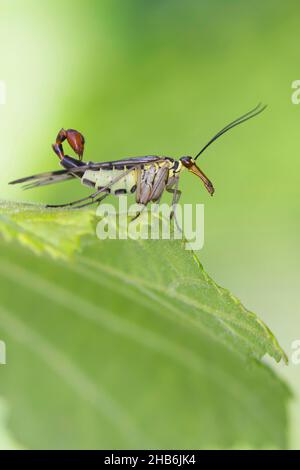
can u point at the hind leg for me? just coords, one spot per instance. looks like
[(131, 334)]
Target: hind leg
[(74, 203)]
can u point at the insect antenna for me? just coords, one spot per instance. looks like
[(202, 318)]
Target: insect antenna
[(254, 112)]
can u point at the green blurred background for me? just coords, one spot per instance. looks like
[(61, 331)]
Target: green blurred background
[(141, 77)]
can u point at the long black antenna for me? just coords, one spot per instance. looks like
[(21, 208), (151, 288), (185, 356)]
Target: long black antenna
[(254, 112)]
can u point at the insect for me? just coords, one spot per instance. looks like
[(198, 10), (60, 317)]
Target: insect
[(147, 176)]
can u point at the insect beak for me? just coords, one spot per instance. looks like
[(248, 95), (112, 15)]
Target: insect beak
[(208, 184)]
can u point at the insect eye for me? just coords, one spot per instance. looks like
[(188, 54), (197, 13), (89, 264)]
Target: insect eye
[(187, 161)]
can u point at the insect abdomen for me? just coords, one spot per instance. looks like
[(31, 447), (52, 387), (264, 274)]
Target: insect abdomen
[(102, 178)]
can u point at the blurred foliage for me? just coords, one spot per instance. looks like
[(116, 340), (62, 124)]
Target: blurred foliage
[(162, 77), (6, 440), (55, 232)]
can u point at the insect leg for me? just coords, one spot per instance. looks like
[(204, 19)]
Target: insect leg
[(144, 194), (176, 195), (73, 203), (159, 184), (95, 201), (139, 213)]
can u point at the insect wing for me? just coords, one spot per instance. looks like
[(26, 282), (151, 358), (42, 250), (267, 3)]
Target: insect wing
[(43, 179), (134, 162), (49, 175), (50, 180)]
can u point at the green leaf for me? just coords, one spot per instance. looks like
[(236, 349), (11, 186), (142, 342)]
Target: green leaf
[(125, 344), (55, 232)]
